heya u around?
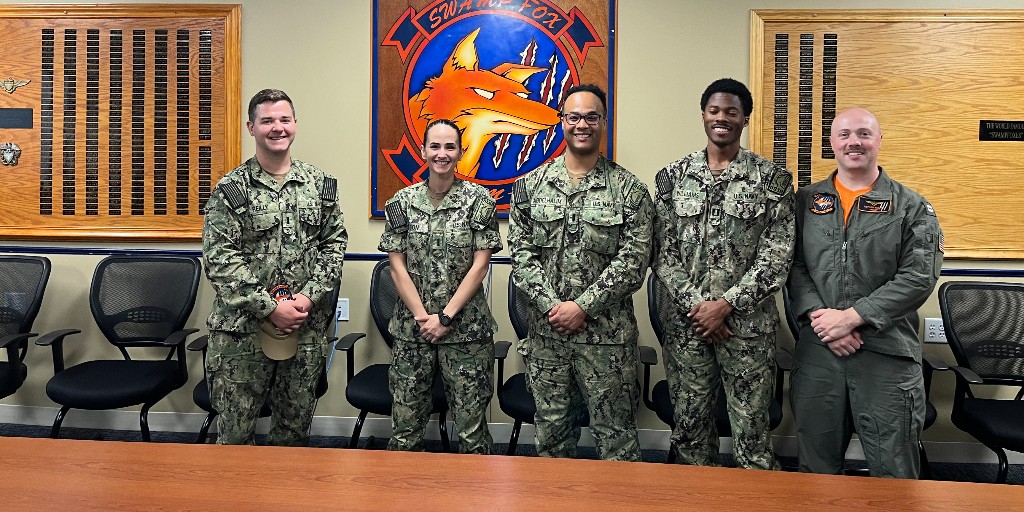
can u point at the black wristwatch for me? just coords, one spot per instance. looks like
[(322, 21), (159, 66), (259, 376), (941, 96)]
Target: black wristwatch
[(444, 319)]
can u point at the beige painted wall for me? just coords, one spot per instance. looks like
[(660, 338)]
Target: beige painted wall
[(319, 52)]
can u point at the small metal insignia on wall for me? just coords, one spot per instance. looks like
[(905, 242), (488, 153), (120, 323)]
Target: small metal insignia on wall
[(9, 153), (11, 84)]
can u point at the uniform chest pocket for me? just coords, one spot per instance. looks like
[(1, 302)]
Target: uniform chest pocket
[(458, 234), (744, 210), (547, 224), (309, 221), (601, 229), (689, 211)]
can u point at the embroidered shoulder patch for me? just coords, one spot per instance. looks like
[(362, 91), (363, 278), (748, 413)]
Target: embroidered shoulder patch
[(519, 194), (780, 182), (330, 190), (823, 203), (235, 196), (396, 215), (664, 184)]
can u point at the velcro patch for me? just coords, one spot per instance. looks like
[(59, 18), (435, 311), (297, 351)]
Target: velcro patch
[(330, 190), (635, 196), (396, 214), (235, 196), (823, 203), (942, 243), (519, 194), (780, 182), (873, 205), (664, 184), (929, 209)]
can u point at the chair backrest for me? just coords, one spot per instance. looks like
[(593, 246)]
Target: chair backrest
[(787, 306), (984, 325), (383, 299), (517, 311), (658, 302), (139, 299), (22, 283)]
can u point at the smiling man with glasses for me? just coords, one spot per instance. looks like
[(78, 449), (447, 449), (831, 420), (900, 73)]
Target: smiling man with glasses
[(580, 237)]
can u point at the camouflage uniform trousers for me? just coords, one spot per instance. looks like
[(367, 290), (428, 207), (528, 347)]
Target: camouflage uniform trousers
[(695, 369), (562, 375), (467, 370), (241, 378)]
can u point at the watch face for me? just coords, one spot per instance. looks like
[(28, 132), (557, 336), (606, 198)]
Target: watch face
[(445, 319)]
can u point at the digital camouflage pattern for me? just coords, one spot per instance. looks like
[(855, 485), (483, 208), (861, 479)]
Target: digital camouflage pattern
[(729, 237), (590, 243), (258, 234), (467, 370), (439, 244)]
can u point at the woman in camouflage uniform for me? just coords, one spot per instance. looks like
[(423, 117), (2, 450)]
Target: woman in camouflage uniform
[(439, 237)]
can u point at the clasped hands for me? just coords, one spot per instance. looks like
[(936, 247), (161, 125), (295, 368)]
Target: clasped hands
[(431, 328), (567, 318), (708, 319), (837, 329), (290, 314)]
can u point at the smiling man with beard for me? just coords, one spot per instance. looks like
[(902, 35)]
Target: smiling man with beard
[(724, 243), (580, 237)]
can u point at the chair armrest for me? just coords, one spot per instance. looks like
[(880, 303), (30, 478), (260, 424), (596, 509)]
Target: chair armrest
[(784, 359), (648, 355), (937, 363), (199, 343), (501, 349), (177, 337), (55, 337), (966, 374), (13, 339), (349, 340)]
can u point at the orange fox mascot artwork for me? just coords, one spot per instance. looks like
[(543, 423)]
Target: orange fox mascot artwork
[(483, 103)]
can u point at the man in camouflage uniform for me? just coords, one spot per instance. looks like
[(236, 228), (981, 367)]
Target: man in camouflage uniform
[(272, 221), (724, 237), (580, 236), (443, 251), (868, 254)]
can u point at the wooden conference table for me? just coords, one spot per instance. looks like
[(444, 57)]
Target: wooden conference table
[(70, 475)]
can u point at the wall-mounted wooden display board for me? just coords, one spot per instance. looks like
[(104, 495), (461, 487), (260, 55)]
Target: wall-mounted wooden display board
[(116, 121), (947, 87)]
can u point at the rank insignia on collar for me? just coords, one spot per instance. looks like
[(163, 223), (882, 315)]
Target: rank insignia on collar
[(823, 203), (873, 205)]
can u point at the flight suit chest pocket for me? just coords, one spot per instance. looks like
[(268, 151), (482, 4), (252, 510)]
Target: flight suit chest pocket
[(547, 224), (601, 229)]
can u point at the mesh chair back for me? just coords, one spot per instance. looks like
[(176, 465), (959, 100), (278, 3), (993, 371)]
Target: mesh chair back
[(22, 283), (518, 311), (383, 299), (659, 305), (787, 305), (984, 325), (139, 299)]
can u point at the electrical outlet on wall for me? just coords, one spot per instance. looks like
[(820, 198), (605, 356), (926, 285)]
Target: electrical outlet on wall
[(934, 331), (342, 312)]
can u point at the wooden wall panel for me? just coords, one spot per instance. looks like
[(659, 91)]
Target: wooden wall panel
[(931, 77), (134, 118)]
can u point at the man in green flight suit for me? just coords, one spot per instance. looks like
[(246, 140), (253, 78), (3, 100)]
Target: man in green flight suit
[(868, 254), (580, 237), (724, 237), (273, 244)]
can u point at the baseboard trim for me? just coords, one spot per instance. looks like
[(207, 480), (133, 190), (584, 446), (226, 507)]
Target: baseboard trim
[(959, 452)]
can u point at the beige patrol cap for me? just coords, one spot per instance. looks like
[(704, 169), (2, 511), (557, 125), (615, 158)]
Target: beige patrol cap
[(276, 344)]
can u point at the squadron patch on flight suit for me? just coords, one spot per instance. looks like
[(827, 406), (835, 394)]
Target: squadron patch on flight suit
[(929, 209), (873, 205), (780, 182), (234, 195), (396, 215), (823, 203)]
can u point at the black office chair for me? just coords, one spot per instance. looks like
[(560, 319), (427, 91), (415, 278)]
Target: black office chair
[(22, 283), (514, 398), (984, 324), (368, 390), (659, 398), (138, 301), (201, 393)]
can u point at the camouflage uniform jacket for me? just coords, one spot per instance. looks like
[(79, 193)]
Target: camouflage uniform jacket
[(729, 237), (883, 263), (438, 245), (590, 243), (258, 234)]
